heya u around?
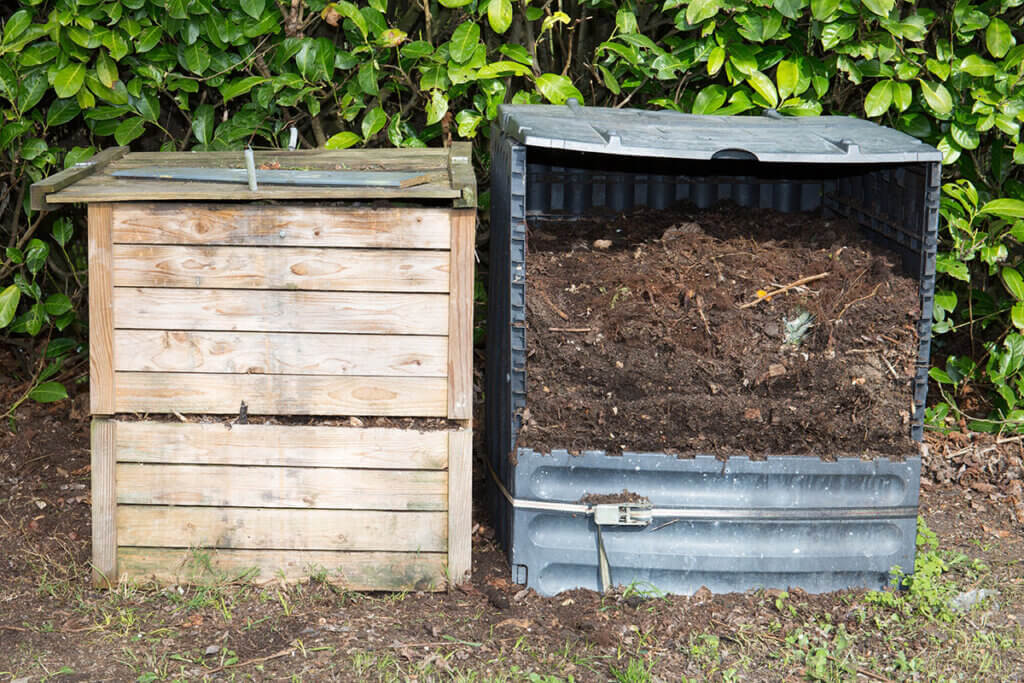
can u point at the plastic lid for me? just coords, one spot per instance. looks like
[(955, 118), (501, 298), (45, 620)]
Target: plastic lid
[(770, 138)]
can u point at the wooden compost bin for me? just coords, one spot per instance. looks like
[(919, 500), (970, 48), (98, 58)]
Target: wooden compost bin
[(296, 301)]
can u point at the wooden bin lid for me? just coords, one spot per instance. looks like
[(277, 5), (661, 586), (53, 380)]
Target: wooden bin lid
[(444, 175)]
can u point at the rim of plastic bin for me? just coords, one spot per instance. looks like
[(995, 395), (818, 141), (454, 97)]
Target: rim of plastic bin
[(770, 137)]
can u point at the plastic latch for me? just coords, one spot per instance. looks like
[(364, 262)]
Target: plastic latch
[(622, 514)]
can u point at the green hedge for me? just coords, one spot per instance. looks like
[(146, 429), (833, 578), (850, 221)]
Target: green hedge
[(78, 75)]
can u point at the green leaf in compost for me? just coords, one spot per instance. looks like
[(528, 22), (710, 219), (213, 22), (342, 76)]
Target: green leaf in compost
[(48, 392)]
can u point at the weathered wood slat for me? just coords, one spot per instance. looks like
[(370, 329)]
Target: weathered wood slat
[(274, 311), (104, 502), (282, 445), (159, 392), (106, 188), (460, 505), (101, 312), (284, 225), (281, 487), (39, 191), (280, 529), (353, 270), (350, 159), (461, 175), (460, 316), (280, 353), (350, 570)]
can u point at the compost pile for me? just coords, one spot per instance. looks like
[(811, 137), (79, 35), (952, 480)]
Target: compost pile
[(638, 339)]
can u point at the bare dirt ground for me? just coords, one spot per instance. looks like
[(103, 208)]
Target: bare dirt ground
[(55, 626)]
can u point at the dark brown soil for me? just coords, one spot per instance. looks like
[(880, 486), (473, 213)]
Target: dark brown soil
[(636, 339)]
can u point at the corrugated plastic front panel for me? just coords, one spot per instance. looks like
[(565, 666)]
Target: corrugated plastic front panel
[(741, 524)]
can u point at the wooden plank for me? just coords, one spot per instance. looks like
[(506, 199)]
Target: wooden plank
[(353, 270), (58, 181), (281, 487), (106, 188), (460, 316), (460, 505), (286, 225), (280, 353), (461, 175), (104, 503), (161, 392), (275, 311), (284, 445), (382, 159), (349, 570), (281, 529), (101, 312)]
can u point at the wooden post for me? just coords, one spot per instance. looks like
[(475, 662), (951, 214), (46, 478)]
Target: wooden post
[(104, 503), (460, 505), (460, 316), (101, 311)]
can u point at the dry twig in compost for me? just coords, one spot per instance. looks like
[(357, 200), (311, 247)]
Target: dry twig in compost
[(781, 290)]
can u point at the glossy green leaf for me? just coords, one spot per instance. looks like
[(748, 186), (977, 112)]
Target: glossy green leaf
[(716, 58), (437, 107), (709, 100), (342, 140), (48, 392), (966, 137), (764, 87), (998, 38), (58, 303), (902, 95), (148, 39), (879, 7), (879, 98), (197, 57), (557, 89), (787, 76), (940, 376), (373, 122), (451, 4), (699, 10), (1004, 208), (106, 69), (129, 129), (62, 230), (1013, 282), (202, 123), (68, 81), (504, 68), (15, 26), (822, 10), (977, 65), (254, 8), (937, 97), (62, 111), (499, 15), (240, 86), (464, 41), (9, 299), (36, 253)]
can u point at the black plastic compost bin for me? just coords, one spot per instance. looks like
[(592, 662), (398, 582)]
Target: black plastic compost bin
[(787, 521)]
